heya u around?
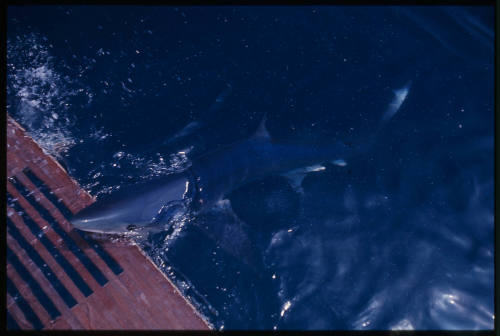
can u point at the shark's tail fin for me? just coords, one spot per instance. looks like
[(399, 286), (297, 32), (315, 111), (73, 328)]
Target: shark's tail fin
[(394, 106)]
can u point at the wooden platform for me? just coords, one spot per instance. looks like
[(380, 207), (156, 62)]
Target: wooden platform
[(59, 277)]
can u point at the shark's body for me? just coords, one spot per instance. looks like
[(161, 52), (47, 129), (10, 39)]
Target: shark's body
[(225, 170), (156, 204), (209, 179)]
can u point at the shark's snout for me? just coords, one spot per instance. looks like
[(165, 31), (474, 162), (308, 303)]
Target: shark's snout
[(138, 206), (78, 223), (90, 219)]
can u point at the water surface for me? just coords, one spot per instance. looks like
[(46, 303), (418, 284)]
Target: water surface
[(399, 238)]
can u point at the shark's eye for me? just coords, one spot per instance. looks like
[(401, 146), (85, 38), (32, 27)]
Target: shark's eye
[(131, 227)]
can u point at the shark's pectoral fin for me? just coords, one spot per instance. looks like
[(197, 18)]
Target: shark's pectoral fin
[(164, 220), (296, 176), (230, 233), (295, 181), (169, 212), (339, 162)]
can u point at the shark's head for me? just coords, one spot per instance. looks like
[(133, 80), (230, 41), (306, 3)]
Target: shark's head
[(140, 206)]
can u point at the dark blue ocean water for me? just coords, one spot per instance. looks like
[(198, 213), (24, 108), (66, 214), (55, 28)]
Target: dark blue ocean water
[(399, 238)]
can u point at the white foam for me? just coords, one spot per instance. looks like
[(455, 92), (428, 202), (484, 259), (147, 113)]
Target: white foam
[(39, 95)]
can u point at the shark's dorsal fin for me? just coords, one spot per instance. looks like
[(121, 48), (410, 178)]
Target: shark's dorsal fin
[(261, 133)]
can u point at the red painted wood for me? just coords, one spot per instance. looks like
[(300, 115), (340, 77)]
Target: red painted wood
[(27, 294), (148, 295), (54, 238), (47, 257), (141, 297), (44, 283), (18, 315)]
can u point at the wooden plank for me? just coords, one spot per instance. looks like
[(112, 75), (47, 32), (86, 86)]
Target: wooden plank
[(140, 297), (48, 169), (93, 316), (10, 301), (120, 293), (54, 238), (45, 284), (14, 164), (66, 321), (28, 295), (131, 318), (37, 274), (38, 246), (166, 304), (18, 315), (44, 201), (123, 298), (63, 323), (175, 316), (148, 295), (100, 311), (81, 243), (178, 299), (147, 314)]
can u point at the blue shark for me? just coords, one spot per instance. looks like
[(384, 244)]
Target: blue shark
[(200, 190), (203, 185)]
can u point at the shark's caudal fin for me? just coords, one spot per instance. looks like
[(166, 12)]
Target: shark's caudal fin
[(394, 106), (400, 96), (297, 175), (223, 226)]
